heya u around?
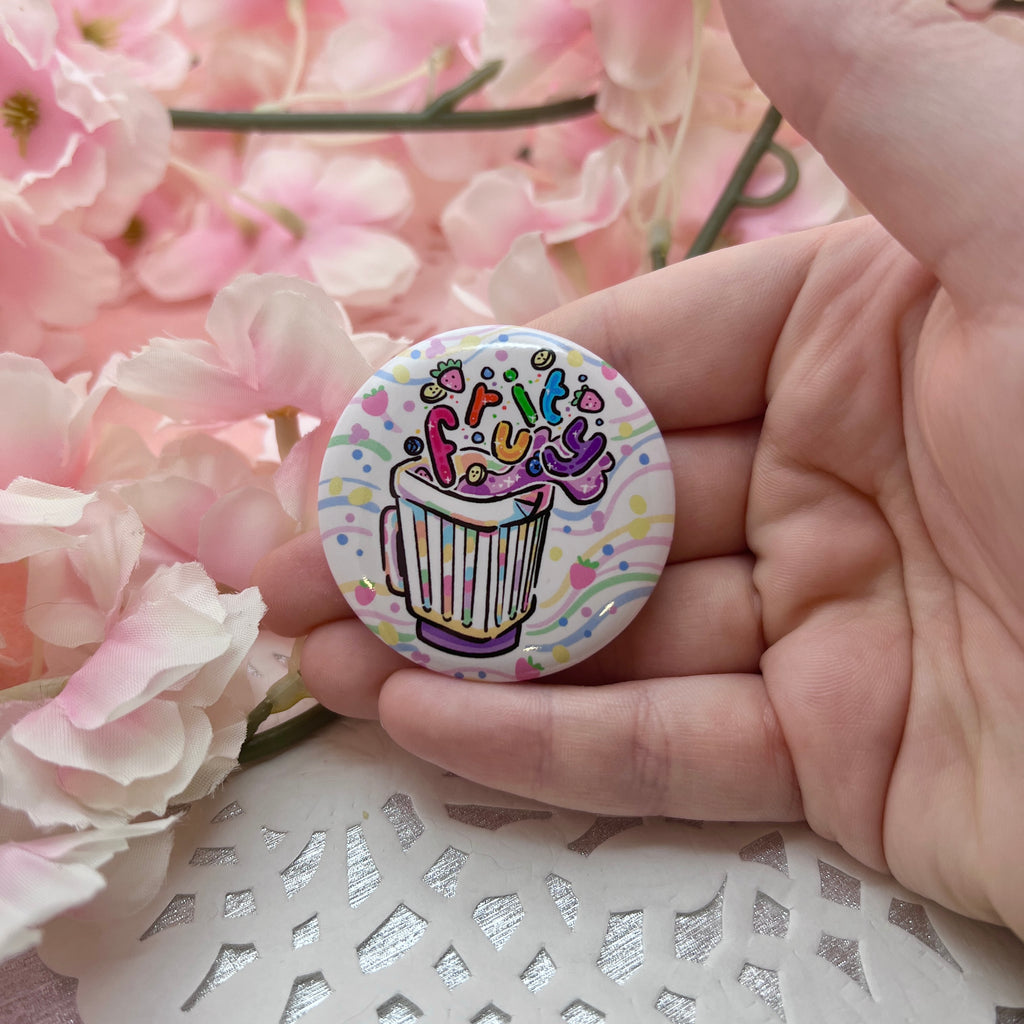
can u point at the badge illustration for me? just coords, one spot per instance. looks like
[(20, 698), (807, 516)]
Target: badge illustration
[(503, 510)]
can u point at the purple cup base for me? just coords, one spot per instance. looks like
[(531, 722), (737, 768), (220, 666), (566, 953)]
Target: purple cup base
[(455, 643)]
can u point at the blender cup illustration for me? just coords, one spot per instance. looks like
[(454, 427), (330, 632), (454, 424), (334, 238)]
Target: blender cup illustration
[(483, 505), (466, 566)]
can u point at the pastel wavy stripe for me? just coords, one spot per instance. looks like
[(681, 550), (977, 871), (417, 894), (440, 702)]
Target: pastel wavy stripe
[(369, 444), (585, 597), (605, 539)]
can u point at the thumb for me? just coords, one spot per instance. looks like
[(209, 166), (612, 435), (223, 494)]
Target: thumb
[(918, 110)]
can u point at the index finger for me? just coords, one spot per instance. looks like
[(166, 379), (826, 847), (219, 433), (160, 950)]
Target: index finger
[(696, 338)]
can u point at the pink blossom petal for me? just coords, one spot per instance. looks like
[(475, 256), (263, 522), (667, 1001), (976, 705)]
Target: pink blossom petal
[(141, 791), (238, 530), (196, 262), (361, 265), (497, 207), (524, 284), (46, 876), (148, 741), (178, 631), (73, 591), (34, 515), (641, 43), (183, 379)]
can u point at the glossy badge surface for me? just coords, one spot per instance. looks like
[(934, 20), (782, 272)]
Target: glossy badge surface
[(496, 503)]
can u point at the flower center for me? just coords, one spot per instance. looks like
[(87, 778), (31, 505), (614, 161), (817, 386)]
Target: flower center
[(101, 32), (20, 113), (135, 232)]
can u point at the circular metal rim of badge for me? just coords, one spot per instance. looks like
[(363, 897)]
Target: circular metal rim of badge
[(525, 484)]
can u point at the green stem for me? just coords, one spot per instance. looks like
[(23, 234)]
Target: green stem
[(448, 101), (732, 196), (287, 734), (455, 121)]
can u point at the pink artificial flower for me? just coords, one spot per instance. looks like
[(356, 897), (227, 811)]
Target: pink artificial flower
[(326, 219), (646, 52), (497, 207), (128, 34), (44, 876), (76, 588), (546, 49), (156, 715), (54, 279), (380, 56), (74, 138), (279, 343), (34, 518), (345, 205), (45, 423), (35, 515), (204, 500), (534, 279)]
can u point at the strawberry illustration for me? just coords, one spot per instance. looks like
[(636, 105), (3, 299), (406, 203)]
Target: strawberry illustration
[(527, 668), (448, 373), (587, 400), (375, 402), (582, 573)]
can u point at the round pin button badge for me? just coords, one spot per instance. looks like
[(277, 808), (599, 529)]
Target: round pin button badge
[(496, 503)]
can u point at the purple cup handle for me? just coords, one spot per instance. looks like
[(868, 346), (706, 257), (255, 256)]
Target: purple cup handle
[(389, 550)]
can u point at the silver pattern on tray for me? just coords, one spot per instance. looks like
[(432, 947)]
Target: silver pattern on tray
[(387, 891)]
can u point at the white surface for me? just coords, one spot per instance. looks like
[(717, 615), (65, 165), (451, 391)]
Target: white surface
[(337, 793)]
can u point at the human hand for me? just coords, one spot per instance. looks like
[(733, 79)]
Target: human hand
[(839, 634)]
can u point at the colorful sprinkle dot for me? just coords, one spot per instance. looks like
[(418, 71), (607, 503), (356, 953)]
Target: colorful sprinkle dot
[(644, 459), (511, 375), (342, 539), (335, 487), (395, 606), (415, 354), (409, 406), (566, 529), (627, 449), (502, 337), (625, 430), (487, 373), (402, 374), (350, 517), (574, 358), (607, 550), (560, 653), (501, 355), (587, 633), (360, 496), (478, 438), (623, 566), (482, 675), (367, 468), (388, 425), (639, 528), (637, 505), (586, 612), (460, 675), (357, 454), (563, 621), (359, 553), (388, 634), (555, 554)]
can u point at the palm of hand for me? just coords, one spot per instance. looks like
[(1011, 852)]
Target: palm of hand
[(883, 515)]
